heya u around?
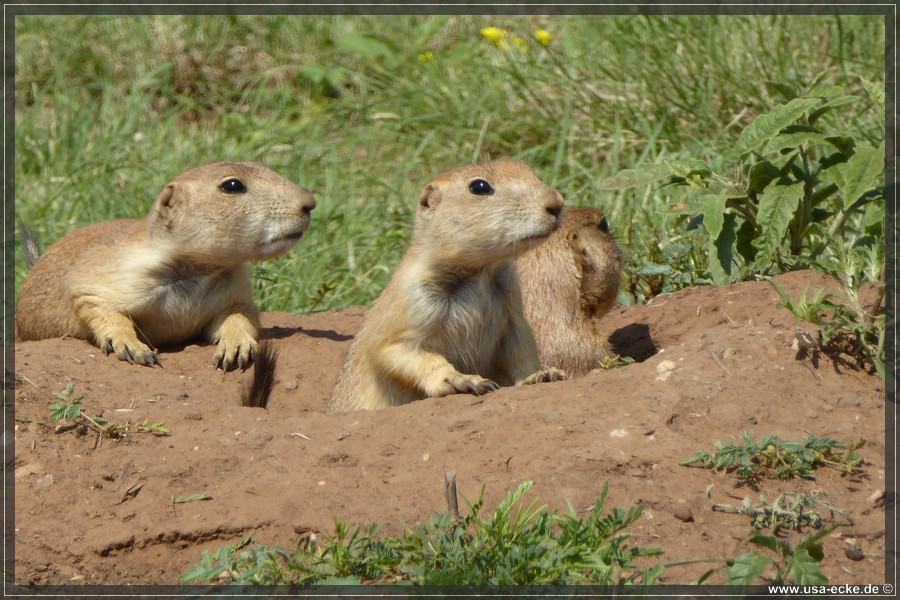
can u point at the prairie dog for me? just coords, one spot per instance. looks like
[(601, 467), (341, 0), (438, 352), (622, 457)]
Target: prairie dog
[(568, 283), (450, 320), (177, 274)]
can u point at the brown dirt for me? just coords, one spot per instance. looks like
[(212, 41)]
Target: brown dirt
[(89, 513)]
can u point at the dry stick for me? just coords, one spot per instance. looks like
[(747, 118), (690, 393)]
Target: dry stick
[(450, 489)]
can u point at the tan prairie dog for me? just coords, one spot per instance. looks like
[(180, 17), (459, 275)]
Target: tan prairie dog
[(450, 320), (568, 283), (176, 275)]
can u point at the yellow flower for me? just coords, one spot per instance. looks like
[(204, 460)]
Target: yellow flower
[(426, 57), (495, 35), (543, 37), (522, 44)]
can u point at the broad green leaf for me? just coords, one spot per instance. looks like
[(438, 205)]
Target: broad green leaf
[(876, 93), (721, 251), (747, 568), (761, 174), (362, 45), (629, 178), (775, 87), (757, 537), (792, 136), (777, 204), (768, 125), (690, 166), (805, 569), (713, 207), (842, 143), (833, 103), (746, 233), (860, 173), (825, 91), (652, 270)]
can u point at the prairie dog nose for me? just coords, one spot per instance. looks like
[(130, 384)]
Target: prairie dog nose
[(554, 205)]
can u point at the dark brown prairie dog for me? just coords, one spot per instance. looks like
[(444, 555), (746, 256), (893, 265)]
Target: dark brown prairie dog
[(568, 283), (175, 275), (450, 320)]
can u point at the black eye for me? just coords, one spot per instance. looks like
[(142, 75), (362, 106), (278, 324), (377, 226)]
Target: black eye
[(603, 225), (480, 187), (233, 186)]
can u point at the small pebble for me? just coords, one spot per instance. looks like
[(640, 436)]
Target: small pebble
[(683, 512), (854, 552)]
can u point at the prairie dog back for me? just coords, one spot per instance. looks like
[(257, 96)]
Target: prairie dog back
[(568, 284)]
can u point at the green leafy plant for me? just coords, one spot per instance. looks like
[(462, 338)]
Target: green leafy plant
[(70, 410), (778, 458), (789, 512), (514, 546), (847, 327), (797, 181), (795, 563)]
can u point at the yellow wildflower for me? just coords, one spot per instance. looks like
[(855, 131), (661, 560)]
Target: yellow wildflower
[(522, 44), (426, 57), (543, 37), (495, 35)]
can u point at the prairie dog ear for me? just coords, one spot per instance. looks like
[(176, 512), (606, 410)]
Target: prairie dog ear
[(577, 247), (167, 202), (429, 199)]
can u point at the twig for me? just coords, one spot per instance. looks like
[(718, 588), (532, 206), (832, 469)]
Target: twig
[(450, 490), (720, 363)]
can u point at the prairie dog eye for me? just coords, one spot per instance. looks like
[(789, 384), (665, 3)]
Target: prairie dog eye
[(480, 187), (233, 186), (603, 225)]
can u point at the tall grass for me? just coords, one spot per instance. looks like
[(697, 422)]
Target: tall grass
[(363, 110)]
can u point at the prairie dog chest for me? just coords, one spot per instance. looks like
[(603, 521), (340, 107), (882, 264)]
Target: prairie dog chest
[(466, 318), (186, 302)]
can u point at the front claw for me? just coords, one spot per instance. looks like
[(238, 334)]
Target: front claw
[(133, 352), (471, 384), (230, 356), (544, 376)]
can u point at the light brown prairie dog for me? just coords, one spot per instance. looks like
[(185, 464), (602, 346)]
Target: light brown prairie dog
[(175, 275), (450, 320), (568, 283)]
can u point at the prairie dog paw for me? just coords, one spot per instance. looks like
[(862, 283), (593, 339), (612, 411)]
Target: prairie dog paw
[(234, 353), (130, 349), (545, 375), (458, 383)]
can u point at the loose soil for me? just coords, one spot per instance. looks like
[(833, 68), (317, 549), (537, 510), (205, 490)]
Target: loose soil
[(711, 363)]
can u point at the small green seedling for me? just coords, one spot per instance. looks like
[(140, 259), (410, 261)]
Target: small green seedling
[(789, 512), (796, 563), (772, 456), (70, 410)]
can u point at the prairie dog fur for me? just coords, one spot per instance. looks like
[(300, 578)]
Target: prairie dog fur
[(175, 275), (568, 283), (450, 320)]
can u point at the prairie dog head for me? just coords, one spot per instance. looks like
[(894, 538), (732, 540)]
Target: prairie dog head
[(597, 258), (226, 213), (486, 213)]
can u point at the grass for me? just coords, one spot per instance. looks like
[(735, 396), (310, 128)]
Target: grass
[(515, 545), (364, 110)]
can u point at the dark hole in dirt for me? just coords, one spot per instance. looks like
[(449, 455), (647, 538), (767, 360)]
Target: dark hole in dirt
[(633, 341)]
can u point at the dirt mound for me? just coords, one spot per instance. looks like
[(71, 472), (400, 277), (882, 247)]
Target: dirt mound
[(715, 361)]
